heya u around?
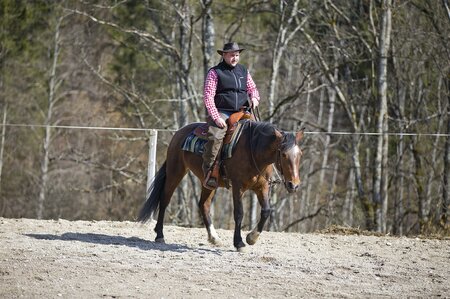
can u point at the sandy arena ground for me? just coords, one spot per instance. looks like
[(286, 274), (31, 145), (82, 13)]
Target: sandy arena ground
[(103, 259)]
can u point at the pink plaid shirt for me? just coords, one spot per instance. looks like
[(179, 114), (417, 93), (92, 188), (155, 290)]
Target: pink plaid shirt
[(210, 88)]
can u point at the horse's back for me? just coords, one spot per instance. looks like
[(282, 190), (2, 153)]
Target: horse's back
[(181, 134)]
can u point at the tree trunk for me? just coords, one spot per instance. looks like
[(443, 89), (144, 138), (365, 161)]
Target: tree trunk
[(385, 177), (332, 196), (305, 205), (208, 35), (281, 42), (184, 70), (399, 198), (47, 139), (446, 192), (431, 175), (398, 202), (446, 200), (348, 202), (380, 168), (253, 210), (419, 175), (326, 145), (2, 147), (365, 202), (183, 90)]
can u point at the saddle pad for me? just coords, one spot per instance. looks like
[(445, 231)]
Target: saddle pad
[(196, 144)]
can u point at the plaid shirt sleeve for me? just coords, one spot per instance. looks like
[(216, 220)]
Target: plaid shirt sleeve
[(251, 89), (209, 92)]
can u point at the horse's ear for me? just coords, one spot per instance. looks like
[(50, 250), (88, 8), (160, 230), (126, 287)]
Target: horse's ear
[(278, 139), (299, 135), (279, 135)]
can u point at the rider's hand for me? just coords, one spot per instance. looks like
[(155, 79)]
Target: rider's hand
[(220, 123), (255, 102)]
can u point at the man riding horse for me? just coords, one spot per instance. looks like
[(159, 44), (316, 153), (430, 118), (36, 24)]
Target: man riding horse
[(261, 149), (228, 86)]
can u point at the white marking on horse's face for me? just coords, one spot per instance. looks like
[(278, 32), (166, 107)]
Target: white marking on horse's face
[(292, 164), (296, 150)]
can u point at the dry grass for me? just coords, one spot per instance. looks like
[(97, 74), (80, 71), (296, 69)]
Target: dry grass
[(443, 234), (345, 230)]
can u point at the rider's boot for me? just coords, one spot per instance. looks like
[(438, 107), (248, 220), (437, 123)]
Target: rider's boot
[(210, 165)]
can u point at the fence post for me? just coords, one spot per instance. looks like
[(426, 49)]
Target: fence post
[(151, 168)]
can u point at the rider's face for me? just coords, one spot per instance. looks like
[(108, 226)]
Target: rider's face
[(231, 58)]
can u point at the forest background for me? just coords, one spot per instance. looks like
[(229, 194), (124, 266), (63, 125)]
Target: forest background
[(376, 69)]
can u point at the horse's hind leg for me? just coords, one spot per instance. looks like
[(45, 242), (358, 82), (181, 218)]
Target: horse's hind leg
[(206, 200), (175, 173)]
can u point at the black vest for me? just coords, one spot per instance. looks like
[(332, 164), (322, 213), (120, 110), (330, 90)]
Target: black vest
[(231, 93)]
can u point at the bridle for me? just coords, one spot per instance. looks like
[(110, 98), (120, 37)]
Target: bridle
[(279, 166)]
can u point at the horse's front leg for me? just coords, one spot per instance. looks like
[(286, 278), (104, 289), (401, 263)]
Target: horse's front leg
[(206, 200), (263, 198), (238, 216)]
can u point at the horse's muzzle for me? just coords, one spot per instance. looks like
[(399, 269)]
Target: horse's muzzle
[(291, 187)]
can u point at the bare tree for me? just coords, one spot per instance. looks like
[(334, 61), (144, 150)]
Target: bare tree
[(426, 206), (2, 148), (446, 175), (351, 114), (446, 192), (288, 16), (380, 163), (184, 61), (53, 85), (348, 202), (208, 35), (400, 178), (326, 143)]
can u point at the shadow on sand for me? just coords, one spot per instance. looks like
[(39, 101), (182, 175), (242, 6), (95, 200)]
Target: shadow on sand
[(133, 242)]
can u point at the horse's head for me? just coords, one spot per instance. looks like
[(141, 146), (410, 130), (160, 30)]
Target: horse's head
[(288, 158)]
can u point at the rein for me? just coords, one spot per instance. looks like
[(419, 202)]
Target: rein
[(256, 115)]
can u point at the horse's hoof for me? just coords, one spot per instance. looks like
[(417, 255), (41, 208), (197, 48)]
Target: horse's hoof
[(252, 238), (215, 241), (242, 249), (160, 240), (240, 246)]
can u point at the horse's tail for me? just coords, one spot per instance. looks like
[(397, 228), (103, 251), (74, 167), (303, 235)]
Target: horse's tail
[(156, 192)]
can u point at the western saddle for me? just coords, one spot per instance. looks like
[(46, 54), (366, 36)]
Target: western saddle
[(211, 181)]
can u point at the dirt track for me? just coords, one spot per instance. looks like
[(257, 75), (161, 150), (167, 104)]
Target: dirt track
[(48, 259)]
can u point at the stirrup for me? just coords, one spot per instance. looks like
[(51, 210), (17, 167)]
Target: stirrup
[(210, 182)]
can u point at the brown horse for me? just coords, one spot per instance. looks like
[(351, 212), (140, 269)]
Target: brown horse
[(250, 168)]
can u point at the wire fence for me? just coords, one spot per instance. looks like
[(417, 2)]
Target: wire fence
[(174, 130)]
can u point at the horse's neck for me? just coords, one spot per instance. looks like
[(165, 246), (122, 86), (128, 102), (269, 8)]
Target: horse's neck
[(266, 156), (269, 157)]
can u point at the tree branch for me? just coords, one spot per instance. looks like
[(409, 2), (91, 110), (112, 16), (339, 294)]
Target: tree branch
[(142, 34), (303, 219)]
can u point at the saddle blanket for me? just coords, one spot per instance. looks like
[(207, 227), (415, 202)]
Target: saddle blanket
[(196, 144)]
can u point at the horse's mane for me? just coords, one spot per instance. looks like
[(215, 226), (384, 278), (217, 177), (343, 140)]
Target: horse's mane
[(262, 135)]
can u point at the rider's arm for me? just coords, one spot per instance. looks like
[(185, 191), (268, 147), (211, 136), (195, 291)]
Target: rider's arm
[(252, 90), (209, 92)]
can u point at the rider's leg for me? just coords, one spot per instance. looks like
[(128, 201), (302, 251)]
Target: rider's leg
[(212, 147)]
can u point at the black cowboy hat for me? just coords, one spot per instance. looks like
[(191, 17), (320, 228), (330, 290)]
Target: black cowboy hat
[(230, 47)]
